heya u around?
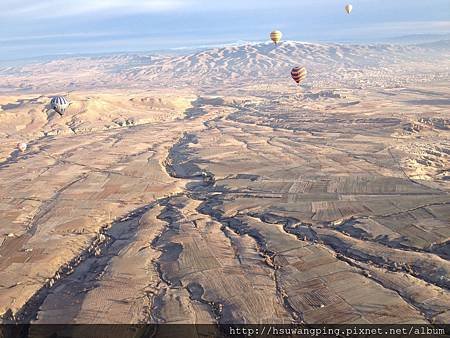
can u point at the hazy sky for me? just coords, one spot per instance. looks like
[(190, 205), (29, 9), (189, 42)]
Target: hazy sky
[(46, 27)]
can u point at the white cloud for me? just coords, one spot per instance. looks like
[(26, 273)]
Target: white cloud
[(402, 27), (56, 36), (46, 9), (58, 8)]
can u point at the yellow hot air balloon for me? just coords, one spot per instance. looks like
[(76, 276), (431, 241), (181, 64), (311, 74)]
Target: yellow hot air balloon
[(276, 36), (348, 8)]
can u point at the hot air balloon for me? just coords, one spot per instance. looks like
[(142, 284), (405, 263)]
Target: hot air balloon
[(276, 36), (22, 146), (348, 8), (298, 74), (59, 104)]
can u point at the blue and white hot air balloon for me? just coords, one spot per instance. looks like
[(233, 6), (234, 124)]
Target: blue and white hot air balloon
[(59, 104)]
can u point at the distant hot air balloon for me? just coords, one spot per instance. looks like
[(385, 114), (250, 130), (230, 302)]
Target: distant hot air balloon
[(22, 146), (348, 8), (298, 74), (276, 36), (59, 104)]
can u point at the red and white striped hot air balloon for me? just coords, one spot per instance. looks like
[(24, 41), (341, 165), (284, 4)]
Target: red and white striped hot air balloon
[(298, 74)]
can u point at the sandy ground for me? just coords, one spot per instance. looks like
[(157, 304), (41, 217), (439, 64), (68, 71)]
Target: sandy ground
[(254, 204)]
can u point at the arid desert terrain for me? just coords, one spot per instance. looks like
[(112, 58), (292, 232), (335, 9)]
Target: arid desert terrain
[(209, 188)]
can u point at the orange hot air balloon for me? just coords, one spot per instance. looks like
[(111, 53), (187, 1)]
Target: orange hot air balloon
[(276, 36), (298, 74)]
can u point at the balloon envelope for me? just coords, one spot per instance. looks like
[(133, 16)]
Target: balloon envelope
[(276, 36), (22, 146), (348, 8), (298, 74), (59, 104)]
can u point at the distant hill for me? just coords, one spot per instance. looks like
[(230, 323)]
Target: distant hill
[(418, 38), (443, 45), (267, 60), (230, 64)]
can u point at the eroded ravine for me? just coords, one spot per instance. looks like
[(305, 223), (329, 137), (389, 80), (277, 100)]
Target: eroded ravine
[(214, 198), (232, 298), (245, 223), (80, 283)]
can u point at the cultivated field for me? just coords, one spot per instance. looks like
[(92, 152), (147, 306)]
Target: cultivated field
[(208, 188)]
